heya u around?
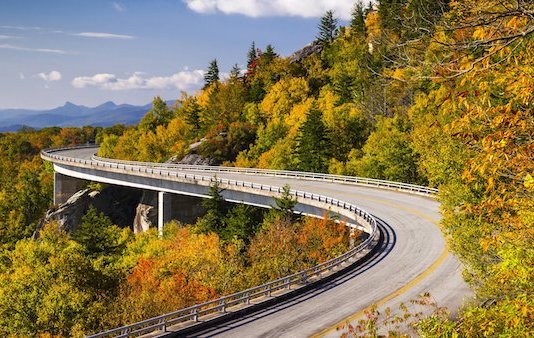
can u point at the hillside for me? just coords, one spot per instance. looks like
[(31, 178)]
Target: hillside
[(72, 115)]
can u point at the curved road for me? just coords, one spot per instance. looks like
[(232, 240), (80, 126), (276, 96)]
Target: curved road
[(413, 260)]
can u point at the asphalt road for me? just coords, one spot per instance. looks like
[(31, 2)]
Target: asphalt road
[(413, 260)]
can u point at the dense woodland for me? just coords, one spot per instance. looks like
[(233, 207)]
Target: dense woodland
[(432, 92)]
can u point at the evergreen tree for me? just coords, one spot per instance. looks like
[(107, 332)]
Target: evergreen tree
[(191, 110), (285, 204), (251, 55), (312, 143), (212, 74), (242, 222), (391, 14), (97, 234), (235, 72), (269, 53), (357, 22), (216, 209), (328, 28)]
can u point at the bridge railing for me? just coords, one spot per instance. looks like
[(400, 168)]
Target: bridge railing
[(412, 188)]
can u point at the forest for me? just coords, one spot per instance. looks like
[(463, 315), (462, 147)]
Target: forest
[(432, 92)]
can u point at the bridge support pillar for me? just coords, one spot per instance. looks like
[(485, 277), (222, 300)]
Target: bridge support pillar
[(164, 210), (65, 187)]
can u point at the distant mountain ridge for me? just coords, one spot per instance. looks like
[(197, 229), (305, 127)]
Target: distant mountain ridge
[(72, 115)]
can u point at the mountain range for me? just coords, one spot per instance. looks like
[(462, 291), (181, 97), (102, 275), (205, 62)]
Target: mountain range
[(72, 115)]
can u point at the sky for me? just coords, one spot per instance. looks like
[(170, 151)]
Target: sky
[(128, 51)]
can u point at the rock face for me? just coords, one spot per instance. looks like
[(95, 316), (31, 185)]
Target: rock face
[(313, 48), (196, 159), (118, 203), (69, 214), (146, 212)]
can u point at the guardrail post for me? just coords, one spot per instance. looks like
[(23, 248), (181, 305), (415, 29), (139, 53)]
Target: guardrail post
[(163, 322)]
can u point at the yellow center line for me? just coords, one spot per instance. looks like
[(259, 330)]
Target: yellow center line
[(436, 264)]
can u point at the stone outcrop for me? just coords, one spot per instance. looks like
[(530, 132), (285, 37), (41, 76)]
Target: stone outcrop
[(146, 212), (118, 203), (195, 159), (315, 47)]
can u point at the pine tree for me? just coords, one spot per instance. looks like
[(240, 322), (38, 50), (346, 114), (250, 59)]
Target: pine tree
[(213, 220), (235, 72), (191, 110), (285, 204), (312, 143), (328, 28), (391, 14), (212, 74), (251, 55), (357, 22), (269, 53)]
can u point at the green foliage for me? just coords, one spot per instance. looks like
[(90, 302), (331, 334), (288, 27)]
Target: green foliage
[(251, 55), (327, 28), (388, 153), (285, 204), (98, 235), (241, 223), (312, 143), (50, 286), (158, 115), (212, 74), (357, 20)]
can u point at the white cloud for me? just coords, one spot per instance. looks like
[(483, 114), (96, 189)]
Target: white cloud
[(105, 35), (22, 76), (118, 7), (184, 80), (52, 76), (40, 50), (6, 37), (260, 8), (22, 28)]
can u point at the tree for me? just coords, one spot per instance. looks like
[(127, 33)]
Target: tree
[(269, 54), (235, 72), (327, 28), (241, 223), (158, 115), (191, 110), (312, 143), (213, 220), (357, 21), (98, 235), (50, 287), (212, 74), (285, 204), (251, 55)]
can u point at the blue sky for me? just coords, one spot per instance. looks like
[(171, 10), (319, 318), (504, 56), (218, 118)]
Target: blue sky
[(92, 51)]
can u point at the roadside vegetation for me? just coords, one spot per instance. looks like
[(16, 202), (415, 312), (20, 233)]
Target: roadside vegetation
[(438, 93)]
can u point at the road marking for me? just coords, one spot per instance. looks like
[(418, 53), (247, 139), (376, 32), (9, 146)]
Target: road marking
[(437, 263)]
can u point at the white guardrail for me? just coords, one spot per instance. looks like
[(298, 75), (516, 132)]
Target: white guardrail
[(220, 305), (412, 188)]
